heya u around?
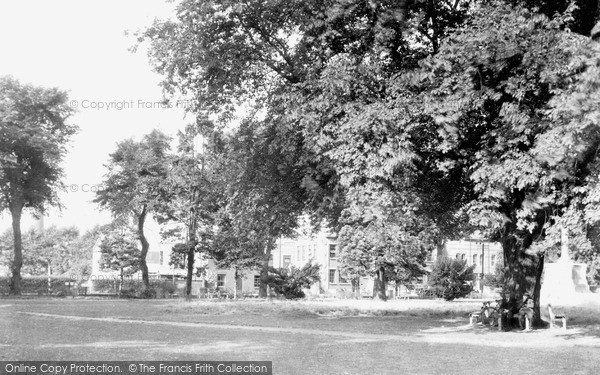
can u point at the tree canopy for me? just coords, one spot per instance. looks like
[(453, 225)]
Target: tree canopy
[(34, 133), (403, 123), (131, 187)]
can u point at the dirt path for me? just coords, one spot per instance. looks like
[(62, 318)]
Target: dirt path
[(465, 334)]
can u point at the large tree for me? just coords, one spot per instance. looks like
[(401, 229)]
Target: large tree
[(509, 99), (292, 63), (60, 249), (264, 196), (383, 238), (120, 252), (460, 119), (33, 137), (131, 187), (189, 196)]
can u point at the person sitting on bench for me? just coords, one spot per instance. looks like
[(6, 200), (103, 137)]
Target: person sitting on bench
[(526, 311), (502, 313)]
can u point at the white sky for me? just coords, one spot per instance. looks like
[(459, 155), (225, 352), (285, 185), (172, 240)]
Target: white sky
[(81, 47)]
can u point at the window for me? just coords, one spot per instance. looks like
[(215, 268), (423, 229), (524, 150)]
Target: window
[(475, 259), (493, 260), (463, 257), (220, 280), (298, 253), (287, 260), (303, 253), (332, 251), (332, 276), (257, 281), (457, 256), (343, 279), (161, 258)]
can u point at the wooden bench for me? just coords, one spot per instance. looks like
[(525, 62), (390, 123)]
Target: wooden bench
[(482, 315), (554, 317)]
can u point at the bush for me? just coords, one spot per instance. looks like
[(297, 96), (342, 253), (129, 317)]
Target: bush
[(158, 289), (451, 278), (290, 282)]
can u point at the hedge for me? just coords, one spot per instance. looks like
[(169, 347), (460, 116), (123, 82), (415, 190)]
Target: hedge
[(39, 285), (135, 288)]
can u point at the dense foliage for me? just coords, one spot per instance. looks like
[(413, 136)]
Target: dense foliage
[(119, 252), (33, 135), (406, 123), (289, 282), (131, 187), (451, 278)]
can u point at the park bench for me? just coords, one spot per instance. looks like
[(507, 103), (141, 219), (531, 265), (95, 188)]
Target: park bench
[(482, 315), (494, 316), (554, 317), (501, 315)]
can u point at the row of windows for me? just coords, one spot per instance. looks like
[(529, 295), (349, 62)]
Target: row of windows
[(341, 278), (477, 257), (221, 280), (305, 252)]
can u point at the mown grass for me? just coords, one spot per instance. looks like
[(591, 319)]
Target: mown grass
[(328, 308), (586, 313)]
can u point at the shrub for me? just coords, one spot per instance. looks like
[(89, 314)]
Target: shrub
[(451, 278), (290, 282), (162, 288)]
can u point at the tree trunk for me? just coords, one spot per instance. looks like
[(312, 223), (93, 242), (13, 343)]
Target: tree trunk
[(15, 279), (379, 285), (522, 272), (191, 252), (264, 272), (236, 277), (190, 269), (145, 247), (537, 316), (121, 282), (356, 287)]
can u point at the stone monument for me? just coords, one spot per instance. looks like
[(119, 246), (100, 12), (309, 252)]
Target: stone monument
[(564, 279)]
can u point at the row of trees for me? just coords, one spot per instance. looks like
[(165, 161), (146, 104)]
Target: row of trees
[(399, 123), (403, 123), (53, 251)]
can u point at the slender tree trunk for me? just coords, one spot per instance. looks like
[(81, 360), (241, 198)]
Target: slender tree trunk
[(192, 242), (15, 280), (356, 287), (145, 247), (379, 286), (236, 277), (121, 282), (190, 270), (264, 272), (537, 316)]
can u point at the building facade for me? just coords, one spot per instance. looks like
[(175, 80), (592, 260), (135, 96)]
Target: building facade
[(321, 249)]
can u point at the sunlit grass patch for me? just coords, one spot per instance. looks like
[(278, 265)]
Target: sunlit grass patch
[(580, 315), (328, 308)]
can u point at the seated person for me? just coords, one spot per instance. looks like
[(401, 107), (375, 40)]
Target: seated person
[(504, 311), (525, 310)]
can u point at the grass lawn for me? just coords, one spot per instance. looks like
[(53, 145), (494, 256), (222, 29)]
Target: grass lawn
[(302, 337)]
